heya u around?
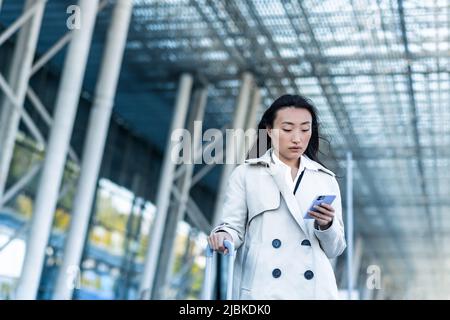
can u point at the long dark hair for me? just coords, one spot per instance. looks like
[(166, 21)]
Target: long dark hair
[(285, 101)]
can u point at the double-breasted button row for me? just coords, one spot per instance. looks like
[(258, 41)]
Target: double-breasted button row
[(276, 273), (276, 243)]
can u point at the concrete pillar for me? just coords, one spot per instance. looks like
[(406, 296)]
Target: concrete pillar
[(95, 143), (239, 122), (357, 257), (380, 294), (167, 258), (164, 188), (131, 241), (50, 181), (356, 266), (18, 79), (251, 122), (255, 104)]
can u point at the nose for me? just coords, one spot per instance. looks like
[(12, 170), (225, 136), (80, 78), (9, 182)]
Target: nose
[(296, 137)]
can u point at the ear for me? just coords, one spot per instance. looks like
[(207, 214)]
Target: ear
[(269, 132)]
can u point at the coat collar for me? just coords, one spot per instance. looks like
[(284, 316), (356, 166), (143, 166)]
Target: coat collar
[(267, 160)]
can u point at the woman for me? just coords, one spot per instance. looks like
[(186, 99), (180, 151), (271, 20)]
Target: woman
[(281, 255)]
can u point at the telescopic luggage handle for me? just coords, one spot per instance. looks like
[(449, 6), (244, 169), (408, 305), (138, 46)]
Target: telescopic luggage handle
[(208, 270)]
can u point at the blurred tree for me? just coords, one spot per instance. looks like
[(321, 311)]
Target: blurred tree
[(24, 205)]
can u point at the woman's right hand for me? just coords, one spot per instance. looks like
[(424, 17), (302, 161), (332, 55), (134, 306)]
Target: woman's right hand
[(216, 240)]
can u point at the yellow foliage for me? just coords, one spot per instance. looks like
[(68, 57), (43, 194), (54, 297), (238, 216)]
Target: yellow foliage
[(62, 219), (24, 205)]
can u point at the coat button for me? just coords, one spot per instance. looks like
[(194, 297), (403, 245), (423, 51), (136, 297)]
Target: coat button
[(276, 243), (306, 242), (276, 273), (309, 275)]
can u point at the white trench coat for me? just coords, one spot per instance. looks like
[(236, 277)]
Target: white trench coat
[(280, 254)]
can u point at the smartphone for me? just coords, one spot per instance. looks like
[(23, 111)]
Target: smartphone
[(317, 201)]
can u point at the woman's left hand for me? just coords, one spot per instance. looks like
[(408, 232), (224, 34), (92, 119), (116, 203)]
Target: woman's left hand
[(324, 216)]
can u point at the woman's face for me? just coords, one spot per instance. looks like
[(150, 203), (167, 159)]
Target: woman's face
[(291, 132)]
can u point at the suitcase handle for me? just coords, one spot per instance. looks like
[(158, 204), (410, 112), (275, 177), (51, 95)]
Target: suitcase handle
[(208, 269)]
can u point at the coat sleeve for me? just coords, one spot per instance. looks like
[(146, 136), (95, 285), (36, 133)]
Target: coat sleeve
[(233, 215), (332, 240)]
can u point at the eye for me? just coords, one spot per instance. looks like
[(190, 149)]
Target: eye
[(287, 130)]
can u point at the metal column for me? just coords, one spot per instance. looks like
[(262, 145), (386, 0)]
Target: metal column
[(165, 188), (19, 76), (349, 226), (238, 123), (380, 294), (195, 130), (184, 183), (50, 181), (95, 143), (255, 105), (357, 253), (251, 122), (357, 257)]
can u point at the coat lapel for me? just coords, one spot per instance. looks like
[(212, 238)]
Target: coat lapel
[(277, 174), (288, 196)]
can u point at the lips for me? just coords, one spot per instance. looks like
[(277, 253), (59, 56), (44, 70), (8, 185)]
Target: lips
[(295, 148)]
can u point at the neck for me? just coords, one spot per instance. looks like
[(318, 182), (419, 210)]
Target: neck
[(293, 163)]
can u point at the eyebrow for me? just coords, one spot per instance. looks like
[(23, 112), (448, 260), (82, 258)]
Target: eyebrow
[(291, 123)]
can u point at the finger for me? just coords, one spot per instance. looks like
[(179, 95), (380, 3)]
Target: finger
[(214, 241), (319, 209), (320, 216), (317, 215), (321, 222), (324, 211), (228, 238), (328, 213), (219, 241), (209, 241), (327, 206), (221, 244)]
